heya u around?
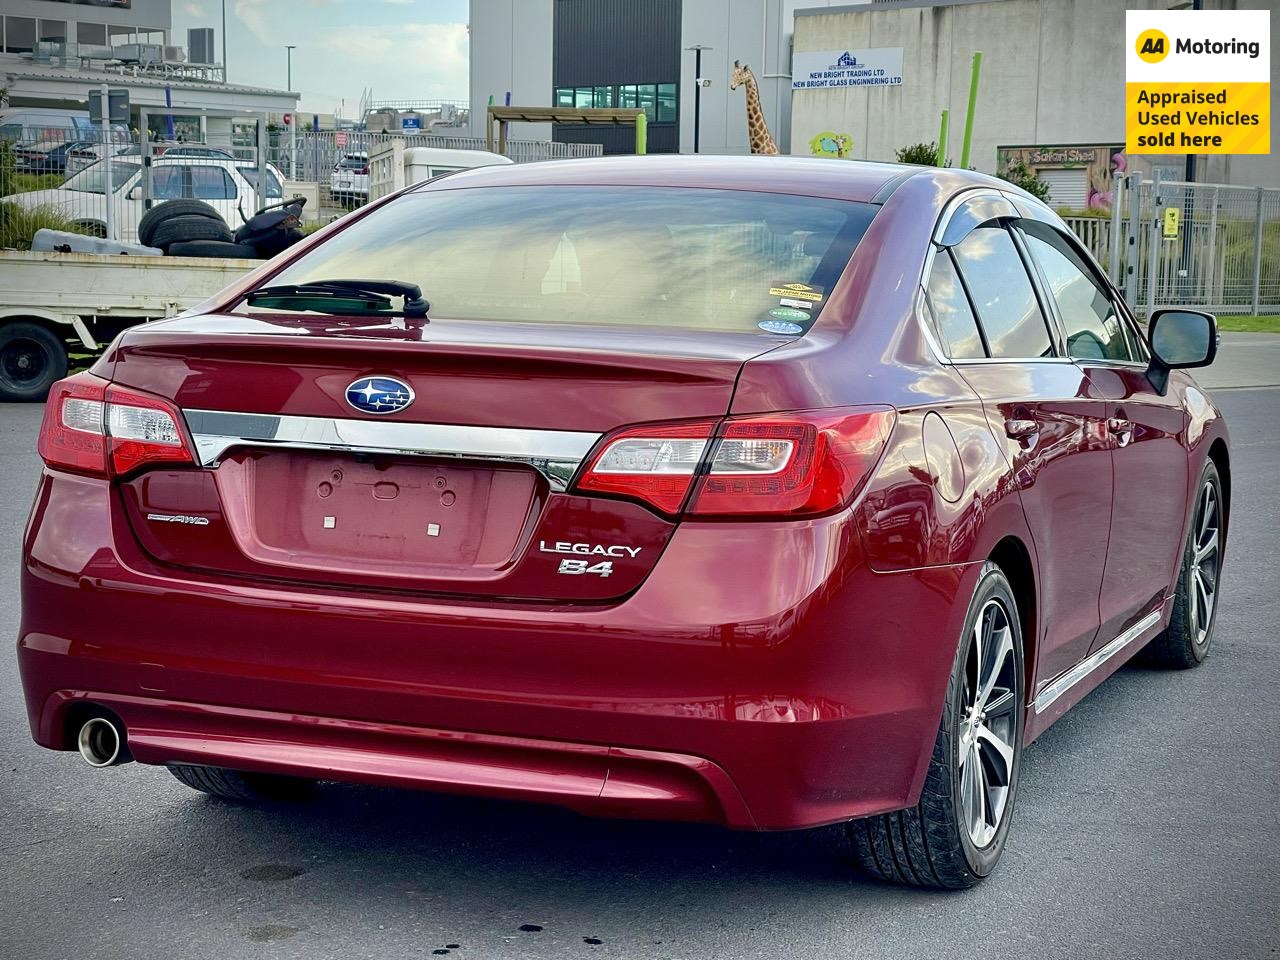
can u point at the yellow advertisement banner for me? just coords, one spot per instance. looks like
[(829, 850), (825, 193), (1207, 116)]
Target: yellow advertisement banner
[(1198, 117)]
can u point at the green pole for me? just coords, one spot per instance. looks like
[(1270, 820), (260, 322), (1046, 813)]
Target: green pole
[(973, 103), (942, 139), (642, 133)]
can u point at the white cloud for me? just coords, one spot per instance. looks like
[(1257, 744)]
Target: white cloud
[(445, 68), (252, 13), (193, 9)]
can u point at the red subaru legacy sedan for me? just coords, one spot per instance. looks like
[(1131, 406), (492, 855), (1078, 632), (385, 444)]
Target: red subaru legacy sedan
[(760, 491)]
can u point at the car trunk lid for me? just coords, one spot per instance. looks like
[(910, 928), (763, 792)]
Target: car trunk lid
[(462, 492)]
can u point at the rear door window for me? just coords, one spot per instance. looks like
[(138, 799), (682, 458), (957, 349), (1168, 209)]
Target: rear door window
[(212, 183), (1002, 294), (622, 255), (954, 322)]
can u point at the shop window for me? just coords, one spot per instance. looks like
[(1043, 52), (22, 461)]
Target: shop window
[(564, 96), (648, 100), (53, 31), (668, 109), (583, 97), (19, 34), (91, 33)]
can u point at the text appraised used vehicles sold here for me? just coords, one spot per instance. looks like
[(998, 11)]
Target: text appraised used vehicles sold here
[(760, 491)]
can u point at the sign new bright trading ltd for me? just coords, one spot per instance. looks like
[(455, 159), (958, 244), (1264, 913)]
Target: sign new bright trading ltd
[(1198, 81)]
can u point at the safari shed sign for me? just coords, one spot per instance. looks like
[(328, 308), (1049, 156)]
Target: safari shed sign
[(878, 67)]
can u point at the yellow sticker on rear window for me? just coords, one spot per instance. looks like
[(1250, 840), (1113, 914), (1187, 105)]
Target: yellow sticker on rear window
[(799, 291)]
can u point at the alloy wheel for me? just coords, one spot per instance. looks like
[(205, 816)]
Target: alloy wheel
[(988, 725), (1205, 561)]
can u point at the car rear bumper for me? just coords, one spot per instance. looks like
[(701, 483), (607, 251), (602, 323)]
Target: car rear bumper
[(761, 677)]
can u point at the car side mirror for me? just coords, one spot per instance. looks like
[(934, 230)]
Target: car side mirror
[(1180, 339), (135, 192)]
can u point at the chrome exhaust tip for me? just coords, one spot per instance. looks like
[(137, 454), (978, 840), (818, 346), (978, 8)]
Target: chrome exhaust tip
[(100, 743)]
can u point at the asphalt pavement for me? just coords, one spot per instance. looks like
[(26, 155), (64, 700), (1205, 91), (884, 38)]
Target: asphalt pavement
[(1147, 826)]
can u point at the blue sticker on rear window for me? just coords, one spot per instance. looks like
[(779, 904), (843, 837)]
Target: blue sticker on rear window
[(780, 326)]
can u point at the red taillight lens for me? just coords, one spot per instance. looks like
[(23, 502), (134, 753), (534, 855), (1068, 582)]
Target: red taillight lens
[(91, 426), (72, 435), (654, 463), (792, 465), (785, 465)]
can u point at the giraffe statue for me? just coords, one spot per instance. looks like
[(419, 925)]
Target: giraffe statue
[(757, 129)]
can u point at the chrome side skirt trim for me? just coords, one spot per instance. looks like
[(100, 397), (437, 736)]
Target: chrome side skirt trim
[(1056, 688), (556, 454)]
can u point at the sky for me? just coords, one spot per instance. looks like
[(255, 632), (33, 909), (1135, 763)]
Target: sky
[(403, 49)]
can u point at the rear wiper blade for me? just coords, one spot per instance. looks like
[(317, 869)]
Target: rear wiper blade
[(373, 293)]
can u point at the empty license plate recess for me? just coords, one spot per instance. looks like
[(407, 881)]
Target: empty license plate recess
[(380, 514)]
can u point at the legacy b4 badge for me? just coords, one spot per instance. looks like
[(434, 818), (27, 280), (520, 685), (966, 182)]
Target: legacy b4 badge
[(580, 565)]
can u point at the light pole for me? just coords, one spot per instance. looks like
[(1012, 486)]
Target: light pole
[(288, 85), (697, 49), (224, 41)]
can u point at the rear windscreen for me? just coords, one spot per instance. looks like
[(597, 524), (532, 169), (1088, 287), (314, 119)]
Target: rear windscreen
[(628, 255)]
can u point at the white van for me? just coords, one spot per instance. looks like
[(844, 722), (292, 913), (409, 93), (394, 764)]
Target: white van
[(393, 166), (32, 124)]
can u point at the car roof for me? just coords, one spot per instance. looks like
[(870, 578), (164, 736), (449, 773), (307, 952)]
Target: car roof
[(804, 176)]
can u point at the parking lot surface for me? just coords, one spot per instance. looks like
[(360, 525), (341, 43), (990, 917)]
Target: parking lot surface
[(1147, 825)]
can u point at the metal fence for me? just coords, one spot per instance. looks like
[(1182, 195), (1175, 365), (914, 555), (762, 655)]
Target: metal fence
[(58, 179), (1222, 254), (320, 156)]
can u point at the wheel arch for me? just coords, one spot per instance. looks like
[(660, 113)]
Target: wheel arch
[(1221, 458), (63, 325), (1014, 560)]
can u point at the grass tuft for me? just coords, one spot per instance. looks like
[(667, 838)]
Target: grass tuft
[(18, 225)]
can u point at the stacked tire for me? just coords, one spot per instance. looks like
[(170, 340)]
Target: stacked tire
[(190, 228)]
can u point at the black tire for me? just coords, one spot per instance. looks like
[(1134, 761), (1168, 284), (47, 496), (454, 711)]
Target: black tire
[(171, 208), (1185, 642), (32, 358), (929, 844), (184, 228), (212, 248), (242, 787)]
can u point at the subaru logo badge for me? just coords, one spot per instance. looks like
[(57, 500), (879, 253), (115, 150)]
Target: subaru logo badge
[(379, 395)]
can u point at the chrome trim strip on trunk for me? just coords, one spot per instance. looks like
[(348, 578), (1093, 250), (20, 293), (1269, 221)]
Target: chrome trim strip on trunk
[(556, 454), (1064, 682)]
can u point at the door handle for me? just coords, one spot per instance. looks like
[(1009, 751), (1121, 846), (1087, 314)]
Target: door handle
[(1021, 429)]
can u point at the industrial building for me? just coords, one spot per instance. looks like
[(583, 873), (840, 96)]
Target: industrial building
[(52, 52), (1050, 93)]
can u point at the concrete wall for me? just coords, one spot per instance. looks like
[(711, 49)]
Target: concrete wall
[(1043, 65), (1052, 74), (511, 49)]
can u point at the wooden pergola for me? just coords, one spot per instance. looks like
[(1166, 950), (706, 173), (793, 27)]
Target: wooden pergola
[(602, 116)]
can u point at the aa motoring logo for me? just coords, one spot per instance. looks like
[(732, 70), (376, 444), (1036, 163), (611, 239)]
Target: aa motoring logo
[(1154, 45)]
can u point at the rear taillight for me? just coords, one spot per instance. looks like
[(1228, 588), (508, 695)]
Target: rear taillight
[(793, 465), (787, 465), (363, 171), (92, 426), (655, 463)]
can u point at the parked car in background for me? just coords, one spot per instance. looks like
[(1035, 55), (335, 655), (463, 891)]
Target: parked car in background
[(34, 124), (350, 178), (83, 158), (47, 156), (83, 197), (766, 491)]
